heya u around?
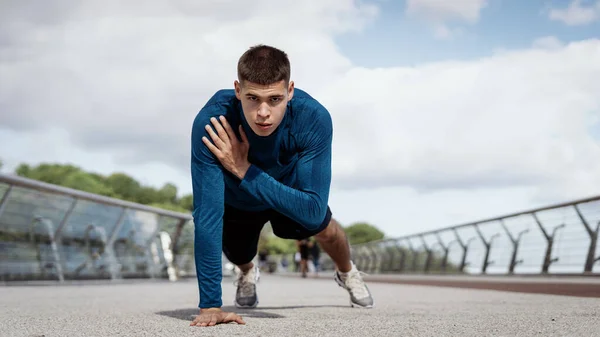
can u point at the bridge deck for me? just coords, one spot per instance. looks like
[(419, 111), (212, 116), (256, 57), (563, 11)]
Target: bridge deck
[(291, 306)]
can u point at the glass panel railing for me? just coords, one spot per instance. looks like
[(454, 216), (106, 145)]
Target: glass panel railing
[(49, 232)]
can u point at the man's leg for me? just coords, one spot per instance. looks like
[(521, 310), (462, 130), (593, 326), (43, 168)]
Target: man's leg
[(332, 239), (334, 242), (241, 232)]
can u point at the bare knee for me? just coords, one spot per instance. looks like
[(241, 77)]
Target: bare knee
[(331, 233)]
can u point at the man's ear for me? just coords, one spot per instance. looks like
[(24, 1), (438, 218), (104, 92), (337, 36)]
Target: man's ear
[(290, 90), (238, 89)]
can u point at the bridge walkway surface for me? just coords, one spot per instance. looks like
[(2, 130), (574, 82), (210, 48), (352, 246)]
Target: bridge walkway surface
[(291, 306)]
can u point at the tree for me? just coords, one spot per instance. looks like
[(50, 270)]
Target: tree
[(117, 185), (362, 232), (187, 202), (123, 185), (168, 193), (85, 182)]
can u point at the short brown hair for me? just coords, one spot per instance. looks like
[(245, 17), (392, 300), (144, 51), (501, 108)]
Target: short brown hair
[(264, 65)]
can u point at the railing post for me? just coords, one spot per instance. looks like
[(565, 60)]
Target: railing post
[(548, 260), (415, 256), (446, 249), (428, 254), (374, 264), (597, 231), (591, 255), (91, 256), (165, 241), (402, 252), (366, 255), (65, 219), (175, 245), (114, 265), (50, 231), (515, 243), (465, 247), (4, 199), (53, 246), (488, 248), (390, 258), (360, 257)]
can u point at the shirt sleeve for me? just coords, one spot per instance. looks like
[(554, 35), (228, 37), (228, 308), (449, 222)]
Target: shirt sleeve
[(207, 190), (307, 202)]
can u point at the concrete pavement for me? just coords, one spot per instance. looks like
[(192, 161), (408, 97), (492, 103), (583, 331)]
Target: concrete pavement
[(291, 307)]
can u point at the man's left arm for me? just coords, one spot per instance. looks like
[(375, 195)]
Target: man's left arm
[(307, 203)]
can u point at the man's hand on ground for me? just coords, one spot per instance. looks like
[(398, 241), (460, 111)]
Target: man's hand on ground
[(214, 316), (232, 153)]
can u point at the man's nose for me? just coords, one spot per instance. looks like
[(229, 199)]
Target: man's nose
[(263, 111)]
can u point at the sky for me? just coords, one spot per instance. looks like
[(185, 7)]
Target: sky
[(444, 112)]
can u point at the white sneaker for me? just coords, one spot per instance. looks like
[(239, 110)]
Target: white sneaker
[(352, 281), (245, 296)]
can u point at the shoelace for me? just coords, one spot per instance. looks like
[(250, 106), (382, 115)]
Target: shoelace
[(356, 284)]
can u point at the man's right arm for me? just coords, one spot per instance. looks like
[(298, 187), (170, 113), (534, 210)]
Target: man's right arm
[(207, 189)]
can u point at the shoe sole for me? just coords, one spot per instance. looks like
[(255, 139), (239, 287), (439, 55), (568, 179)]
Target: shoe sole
[(237, 305), (354, 305)]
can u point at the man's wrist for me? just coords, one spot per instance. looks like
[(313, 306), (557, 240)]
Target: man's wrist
[(241, 171), (210, 310)]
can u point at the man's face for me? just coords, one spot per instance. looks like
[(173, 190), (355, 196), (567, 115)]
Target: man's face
[(264, 105)]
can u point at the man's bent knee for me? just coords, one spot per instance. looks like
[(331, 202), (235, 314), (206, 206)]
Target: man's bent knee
[(332, 232)]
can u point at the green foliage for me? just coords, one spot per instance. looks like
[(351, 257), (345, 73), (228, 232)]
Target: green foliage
[(361, 232), (85, 182), (187, 202), (117, 185), (169, 206), (124, 186)]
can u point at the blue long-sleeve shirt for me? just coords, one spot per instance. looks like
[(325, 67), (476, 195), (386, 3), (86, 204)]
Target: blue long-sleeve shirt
[(290, 172)]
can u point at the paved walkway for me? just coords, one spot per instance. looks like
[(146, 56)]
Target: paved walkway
[(291, 307)]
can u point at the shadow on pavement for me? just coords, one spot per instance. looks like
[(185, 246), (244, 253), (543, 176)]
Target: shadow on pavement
[(232, 308), (190, 314)]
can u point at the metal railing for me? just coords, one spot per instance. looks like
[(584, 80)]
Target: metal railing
[(558, 239), (49, 232)]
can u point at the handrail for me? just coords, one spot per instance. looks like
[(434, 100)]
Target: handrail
[(473, 223), (54, 189)]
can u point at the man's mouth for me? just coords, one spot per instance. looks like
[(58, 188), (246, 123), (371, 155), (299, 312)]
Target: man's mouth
[(263, 125)]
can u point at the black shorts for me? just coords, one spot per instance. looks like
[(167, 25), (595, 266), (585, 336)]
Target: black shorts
[(241, 231), (304, 252)]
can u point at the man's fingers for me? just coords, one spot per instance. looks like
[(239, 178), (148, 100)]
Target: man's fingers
[(216, 139), (232, 317), (243, 134), (239, 320), (213, 320), (228, 129), (220, 131), (211, 147)]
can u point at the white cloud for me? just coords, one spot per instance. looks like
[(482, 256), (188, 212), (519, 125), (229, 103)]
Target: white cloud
[(120, 87), (576, 13), (548, 42), (440, 14), (504, 120), (465, 10)]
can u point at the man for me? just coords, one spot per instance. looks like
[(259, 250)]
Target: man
[(262, 152), (304, 246)]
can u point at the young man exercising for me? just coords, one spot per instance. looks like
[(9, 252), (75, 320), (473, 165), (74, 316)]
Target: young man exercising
[(262, 152)]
